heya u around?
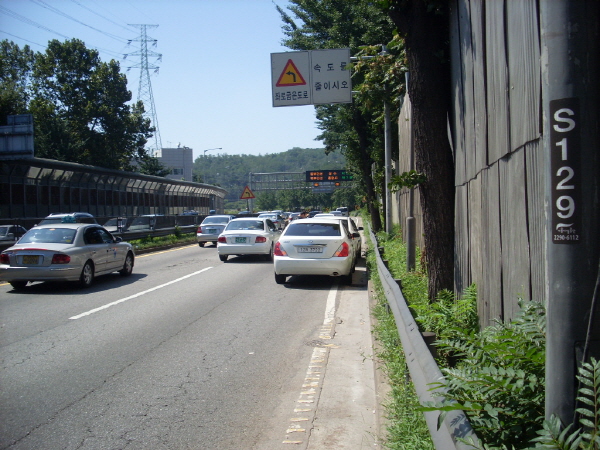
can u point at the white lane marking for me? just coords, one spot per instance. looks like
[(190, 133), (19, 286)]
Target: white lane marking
[(108, 305), (313, 381)]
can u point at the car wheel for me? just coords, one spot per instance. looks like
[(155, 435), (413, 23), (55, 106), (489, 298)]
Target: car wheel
[(201, 244), (269, 256), (87, 275), (18, 285), (347, 279), (223, 257), (280, 279), (127, 265)]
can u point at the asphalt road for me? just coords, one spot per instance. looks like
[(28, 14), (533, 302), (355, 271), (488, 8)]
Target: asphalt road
[(187, 353)]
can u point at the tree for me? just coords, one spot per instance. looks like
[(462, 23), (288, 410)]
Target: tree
[(150, 165), (79, 104), (15, 70), (352, 129), (425, 28)]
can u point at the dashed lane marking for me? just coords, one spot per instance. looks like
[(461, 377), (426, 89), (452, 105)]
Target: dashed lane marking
[(108, 305)]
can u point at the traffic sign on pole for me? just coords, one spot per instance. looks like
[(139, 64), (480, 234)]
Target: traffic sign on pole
[(247, 194), (290, 74), (312, 77)]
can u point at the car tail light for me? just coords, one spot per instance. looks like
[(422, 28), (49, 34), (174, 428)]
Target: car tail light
[(343, 251), (222, 239), (61, 258), (199, 230), (4, 258), (278, 251), (260, 239)]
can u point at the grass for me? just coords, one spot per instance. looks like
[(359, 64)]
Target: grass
[(163, 241), (406, 427)]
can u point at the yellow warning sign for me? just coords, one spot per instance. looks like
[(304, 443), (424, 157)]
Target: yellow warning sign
[(290, 76), (247, 194)]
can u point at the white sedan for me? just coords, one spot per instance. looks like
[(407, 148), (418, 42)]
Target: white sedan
[(248, 236), (319, 246), (65, 252)]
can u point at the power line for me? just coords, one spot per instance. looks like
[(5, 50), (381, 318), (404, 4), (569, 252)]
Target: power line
[(100, 15), (28, 21), (60, 13), (23, 39)]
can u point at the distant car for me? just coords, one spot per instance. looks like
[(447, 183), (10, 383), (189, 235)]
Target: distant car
[(144, 222), (293, 216), (74, 217), (112, 225), (315, 247), (275, 218), (330, 214), (210, 229), (9, 233), (248, 236), (313, 213), (65, 252), (343, 210)]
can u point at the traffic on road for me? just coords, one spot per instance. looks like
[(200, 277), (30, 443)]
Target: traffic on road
[(185, 349)]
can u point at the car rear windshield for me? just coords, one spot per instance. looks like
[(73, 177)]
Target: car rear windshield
[(48, 236), (215, 220), (246, 225), (313, 229)]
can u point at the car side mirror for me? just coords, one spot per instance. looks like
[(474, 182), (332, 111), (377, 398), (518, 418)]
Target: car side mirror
[(355, 235), (118, 239), (360, 228)]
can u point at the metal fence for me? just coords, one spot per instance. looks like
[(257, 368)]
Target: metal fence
[(36, 187)]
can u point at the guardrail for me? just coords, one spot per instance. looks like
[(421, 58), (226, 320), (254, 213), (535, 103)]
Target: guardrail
[(421, 365)]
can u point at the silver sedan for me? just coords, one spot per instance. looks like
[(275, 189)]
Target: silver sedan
[(248, 236), (65, 252)]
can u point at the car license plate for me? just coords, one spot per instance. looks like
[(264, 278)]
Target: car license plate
[(212, 231), (310, 249), (240, 240), (30, 259)]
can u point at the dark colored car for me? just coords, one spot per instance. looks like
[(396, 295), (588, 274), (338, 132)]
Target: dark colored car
[(75, 217)]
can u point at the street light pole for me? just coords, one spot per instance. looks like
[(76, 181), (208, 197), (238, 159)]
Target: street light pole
[(208, 150)]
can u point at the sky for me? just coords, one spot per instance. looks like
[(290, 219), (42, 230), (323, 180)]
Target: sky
[(213, 85)]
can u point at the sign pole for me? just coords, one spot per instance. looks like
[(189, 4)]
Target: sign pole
[(570, 89)]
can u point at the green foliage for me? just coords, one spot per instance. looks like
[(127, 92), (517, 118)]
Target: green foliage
[(79, 103), (555, 435), (408, 179), (448, 316), (15, 71), (499, 380), (355, 129)]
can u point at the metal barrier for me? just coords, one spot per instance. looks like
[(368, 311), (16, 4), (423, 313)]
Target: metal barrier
[(422, 366)]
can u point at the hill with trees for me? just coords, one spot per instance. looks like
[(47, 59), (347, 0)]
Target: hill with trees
[(232, 173)]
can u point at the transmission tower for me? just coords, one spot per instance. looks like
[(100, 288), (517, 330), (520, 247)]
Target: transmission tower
[(145, 87)]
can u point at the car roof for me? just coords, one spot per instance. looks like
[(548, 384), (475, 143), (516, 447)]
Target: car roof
[(331, 219), (67, 225), (237, 219)]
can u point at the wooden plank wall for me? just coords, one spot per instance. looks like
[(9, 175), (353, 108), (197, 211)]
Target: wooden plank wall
[(494, 128)]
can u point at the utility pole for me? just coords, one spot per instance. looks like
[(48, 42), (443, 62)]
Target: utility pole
[(571, 94), (145, 87)]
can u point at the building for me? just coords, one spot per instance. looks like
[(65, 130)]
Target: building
[(180, 161)]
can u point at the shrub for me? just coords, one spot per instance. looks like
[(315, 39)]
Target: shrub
[(499, 380)]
